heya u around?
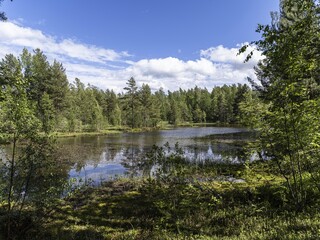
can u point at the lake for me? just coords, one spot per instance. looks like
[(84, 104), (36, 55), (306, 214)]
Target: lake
[(100, 158)]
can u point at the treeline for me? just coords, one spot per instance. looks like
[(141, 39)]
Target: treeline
[(74, 107)]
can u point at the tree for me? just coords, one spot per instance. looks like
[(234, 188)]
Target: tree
[(74, 96), (289, 84), (47, 113), (46, 85), (85, 108), (205, 103), (132, 100), (24, 193), (162, 104), (16, 120), (40, 78), (146, 104), (213, 113), (57, 87), (251, 111), (111, 108), (10, 71), (242, 94), (174, 113)]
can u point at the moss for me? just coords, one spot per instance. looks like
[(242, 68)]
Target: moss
[(149, 209), (190, 204)]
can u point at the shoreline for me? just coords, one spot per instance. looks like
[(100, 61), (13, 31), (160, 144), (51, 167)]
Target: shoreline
[(125, 129)]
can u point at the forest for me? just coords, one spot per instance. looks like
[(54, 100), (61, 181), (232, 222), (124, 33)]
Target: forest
[(273, 197), (64, 107)]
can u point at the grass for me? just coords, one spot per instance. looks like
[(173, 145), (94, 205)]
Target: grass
[(172, 207), (110, 213), (119, 129), (110, 130), (183, 201), (77, 134)]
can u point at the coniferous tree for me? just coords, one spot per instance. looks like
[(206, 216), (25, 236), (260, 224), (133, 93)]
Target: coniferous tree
[(131, 103), (146, 104), (161, 100), (112, 110), (240, 96), (58, 86)]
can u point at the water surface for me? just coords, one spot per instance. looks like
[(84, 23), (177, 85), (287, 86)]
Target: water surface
[(99, 158)]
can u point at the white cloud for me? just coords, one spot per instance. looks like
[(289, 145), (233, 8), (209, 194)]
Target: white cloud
[(221, 54), (107, 68), (18, 36), (172, 73), (18, 21)]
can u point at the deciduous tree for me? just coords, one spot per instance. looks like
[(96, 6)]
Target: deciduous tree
[(289, 83)]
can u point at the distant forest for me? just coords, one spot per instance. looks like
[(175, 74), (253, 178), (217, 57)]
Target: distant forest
[(75, 107)]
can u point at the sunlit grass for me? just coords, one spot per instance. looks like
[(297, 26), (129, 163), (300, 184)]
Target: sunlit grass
[(149, 209)]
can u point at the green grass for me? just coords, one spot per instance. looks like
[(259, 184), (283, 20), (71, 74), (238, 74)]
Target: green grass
[(173, 208), (77, 134), (119, 129), (184, 202)]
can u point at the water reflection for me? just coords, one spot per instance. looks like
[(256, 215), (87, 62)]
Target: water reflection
[(100, 158)]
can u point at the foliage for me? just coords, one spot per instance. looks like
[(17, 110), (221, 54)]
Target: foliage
[(75, 107), (181, 201), (131, 102), (29, 182), (252, 111), (289, 87)]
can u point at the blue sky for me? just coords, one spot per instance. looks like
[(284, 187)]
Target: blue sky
[(167, 43)]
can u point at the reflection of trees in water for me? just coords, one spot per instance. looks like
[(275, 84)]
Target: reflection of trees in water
[(129, 150), (112, 154), (137, 160), (78, 155), (245, 136), (132, 157)]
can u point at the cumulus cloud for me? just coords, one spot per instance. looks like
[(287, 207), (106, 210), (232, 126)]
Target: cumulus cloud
[(174, 73), (107, 68), (19, 36), (220, 54)]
